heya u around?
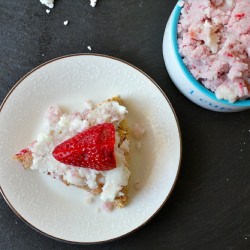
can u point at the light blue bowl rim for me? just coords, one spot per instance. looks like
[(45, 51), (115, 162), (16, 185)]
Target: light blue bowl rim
[(176, 14)]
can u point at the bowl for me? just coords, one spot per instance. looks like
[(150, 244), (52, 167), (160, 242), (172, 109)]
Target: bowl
[(183, 78)]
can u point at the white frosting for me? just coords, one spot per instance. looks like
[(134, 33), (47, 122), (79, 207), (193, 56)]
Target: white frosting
[(117, 177), (93, 3), (125, 146), (107, 112), (48, 3), (226, 93), (60, 127), (210, 37)]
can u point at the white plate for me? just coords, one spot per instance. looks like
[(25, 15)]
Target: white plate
[(60, 211)]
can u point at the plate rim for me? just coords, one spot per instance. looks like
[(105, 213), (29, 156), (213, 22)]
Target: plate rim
[(178, 168)]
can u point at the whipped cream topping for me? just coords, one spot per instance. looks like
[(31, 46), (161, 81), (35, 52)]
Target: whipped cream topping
[(60, 127)]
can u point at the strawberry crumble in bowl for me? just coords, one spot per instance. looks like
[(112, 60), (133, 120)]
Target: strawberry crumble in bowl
[(119, 161), (206, 51)]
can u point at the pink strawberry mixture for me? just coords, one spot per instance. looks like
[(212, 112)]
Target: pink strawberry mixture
[(214, 41)]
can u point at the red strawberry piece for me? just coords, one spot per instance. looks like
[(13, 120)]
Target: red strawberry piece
[(24, 152), (92, 148), (240, 15)]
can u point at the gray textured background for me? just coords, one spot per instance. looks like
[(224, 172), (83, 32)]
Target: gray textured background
[(210, 206)]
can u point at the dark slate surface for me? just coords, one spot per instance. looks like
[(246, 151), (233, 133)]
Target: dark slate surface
[(210, 205)]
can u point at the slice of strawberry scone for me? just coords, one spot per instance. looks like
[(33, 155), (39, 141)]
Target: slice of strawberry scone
[(87, 149)]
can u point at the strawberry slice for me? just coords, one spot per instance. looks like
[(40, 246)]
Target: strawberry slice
[(92, 148)]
